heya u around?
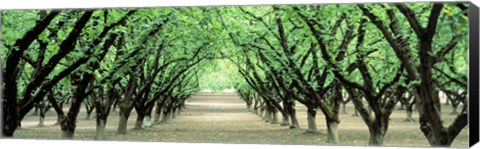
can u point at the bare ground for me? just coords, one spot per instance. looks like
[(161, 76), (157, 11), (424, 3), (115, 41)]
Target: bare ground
[(225, 119)]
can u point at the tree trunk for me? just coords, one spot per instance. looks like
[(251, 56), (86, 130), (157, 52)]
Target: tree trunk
[(409, 111), (88, 115), (139, 121), (10, 106), (89, 109), (35, 112), (344, 108), (261, 111), (402, 106), (273, 113), (290, 111), (158, 113), (101, 123), (148, 122), (312, 127), (68, 127), (123, 121), (286, 113), (255, 107), (249, 107), (58, 109), (173, 114), (68, 124), (115, 103), (267, 117), (59, 119), (285, 121), (376, 137), (41, 122), (454, 109), (165, 117), (378, 128), (332, 132), (294, 120)]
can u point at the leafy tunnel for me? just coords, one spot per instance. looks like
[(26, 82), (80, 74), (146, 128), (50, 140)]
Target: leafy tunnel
[(319, 56)]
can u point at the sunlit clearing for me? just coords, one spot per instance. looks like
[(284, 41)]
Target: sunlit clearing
[(220, 76)]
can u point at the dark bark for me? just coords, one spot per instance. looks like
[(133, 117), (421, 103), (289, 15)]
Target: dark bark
[(68, 125), (424, 93), (66, 47), (57, 107), (10, 117)]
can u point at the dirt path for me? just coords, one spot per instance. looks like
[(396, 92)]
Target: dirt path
[(225, 119)]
